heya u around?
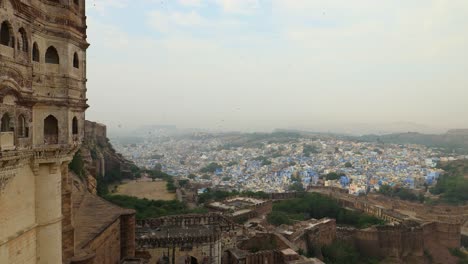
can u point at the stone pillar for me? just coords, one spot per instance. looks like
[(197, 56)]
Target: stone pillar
[(68, 230), (127, 235), (49, 213)]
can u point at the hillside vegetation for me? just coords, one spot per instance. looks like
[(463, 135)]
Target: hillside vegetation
[(452, 186), (151, 208), (313, 205), (450, 142)]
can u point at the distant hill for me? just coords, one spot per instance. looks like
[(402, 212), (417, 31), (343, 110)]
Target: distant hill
[(452, 141)]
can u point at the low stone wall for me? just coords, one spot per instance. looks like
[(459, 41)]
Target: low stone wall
[(409, 240)]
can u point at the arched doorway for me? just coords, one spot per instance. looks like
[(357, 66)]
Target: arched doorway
[(6, 35), (75, 126), (5, 126), (22, 127), (52, 56), (51, 130), (76, 61), (187, 259), (35, 53)]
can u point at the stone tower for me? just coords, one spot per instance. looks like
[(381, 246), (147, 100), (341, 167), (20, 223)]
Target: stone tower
[(42, 105)]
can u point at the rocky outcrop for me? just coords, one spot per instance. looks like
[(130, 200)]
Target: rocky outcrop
[(100, 158)]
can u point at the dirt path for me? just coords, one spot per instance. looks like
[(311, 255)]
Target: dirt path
[(154, 190)]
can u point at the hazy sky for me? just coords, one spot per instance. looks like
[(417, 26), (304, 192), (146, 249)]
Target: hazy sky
[(264, 64)]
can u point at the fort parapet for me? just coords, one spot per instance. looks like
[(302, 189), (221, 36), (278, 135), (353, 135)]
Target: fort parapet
[(181, 237)]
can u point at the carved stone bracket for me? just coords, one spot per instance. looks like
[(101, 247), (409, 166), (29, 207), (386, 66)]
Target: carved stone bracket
[(55, 167), (54, 154), (35, 168)]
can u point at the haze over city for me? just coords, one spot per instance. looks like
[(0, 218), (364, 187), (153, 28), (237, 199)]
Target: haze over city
[(252, 65), (233, 131)]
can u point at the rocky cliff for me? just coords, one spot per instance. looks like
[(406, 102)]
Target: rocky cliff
[(100, 160)]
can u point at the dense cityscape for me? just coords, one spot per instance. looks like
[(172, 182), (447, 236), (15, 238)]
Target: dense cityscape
[(274, 164), (297, 132)]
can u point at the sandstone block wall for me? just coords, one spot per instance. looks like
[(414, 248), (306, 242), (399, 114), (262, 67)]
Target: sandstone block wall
[(318, 236), (127, 235), (201, 252), (107, 245)]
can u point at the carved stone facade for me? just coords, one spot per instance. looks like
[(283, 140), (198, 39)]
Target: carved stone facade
[(185, 238), (42, 109), (42, 104)]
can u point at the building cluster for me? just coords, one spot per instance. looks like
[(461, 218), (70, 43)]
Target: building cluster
[(273, 167), (241, 208), (215, 238)]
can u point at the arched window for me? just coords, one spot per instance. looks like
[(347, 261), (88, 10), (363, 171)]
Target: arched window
[(6, 35), (22, 127), (35, 52), (52, 56), (76, 61), (75, 126), (23, 40), (5, 127), (51, 130)]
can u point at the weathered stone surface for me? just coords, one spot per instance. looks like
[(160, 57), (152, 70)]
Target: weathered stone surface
[(43, 100), (100, 156), (431, 230)]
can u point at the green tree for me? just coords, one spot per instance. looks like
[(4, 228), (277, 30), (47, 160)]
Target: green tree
[(151, 208), (157, 167), (278, 218), (340, 252), (210, 168), (313, 205), (309, 149), (297, 187), (77, 165), (452, 186), (183, 183), (333, 176)]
